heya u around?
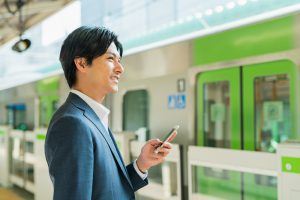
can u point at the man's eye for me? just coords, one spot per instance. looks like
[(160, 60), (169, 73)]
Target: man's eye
[(110, 58)]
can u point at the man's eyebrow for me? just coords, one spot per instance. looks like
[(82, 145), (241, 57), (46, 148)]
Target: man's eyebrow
[(115, 55)]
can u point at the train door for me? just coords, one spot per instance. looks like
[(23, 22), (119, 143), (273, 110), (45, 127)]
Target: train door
[(218, 125), (260, 109), (269, 109), (135, 113)]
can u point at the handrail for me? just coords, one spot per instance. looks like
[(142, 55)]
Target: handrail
[(236, 160)]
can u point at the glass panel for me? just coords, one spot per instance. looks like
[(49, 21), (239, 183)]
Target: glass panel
[(259, 187), (29, 161), (29, 170), (155, 174), (219, 184), (272, 111), (17, 160), (217, 118), (135, 113), (29, 146), (204, 187), (162, 185)]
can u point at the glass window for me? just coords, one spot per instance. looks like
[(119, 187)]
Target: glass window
[(217, 118), (207, 187), (135, 111), (17, 159), (272, 111), (219, 184)]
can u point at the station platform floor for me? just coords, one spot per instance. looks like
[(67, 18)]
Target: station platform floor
[(14, 193)]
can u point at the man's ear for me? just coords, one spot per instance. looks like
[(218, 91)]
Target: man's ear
[(80, 63)]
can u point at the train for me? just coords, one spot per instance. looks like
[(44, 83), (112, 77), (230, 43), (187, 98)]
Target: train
[(235, 89)]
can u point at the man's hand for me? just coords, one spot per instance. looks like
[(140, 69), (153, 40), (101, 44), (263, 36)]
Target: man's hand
[(148, 158)]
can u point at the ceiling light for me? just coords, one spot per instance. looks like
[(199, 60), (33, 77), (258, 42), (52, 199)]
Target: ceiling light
[(21, 45), (242, 2), (208, 12), (189, 18), (219, 9), (180, 21), (198, 15), (230, 5)]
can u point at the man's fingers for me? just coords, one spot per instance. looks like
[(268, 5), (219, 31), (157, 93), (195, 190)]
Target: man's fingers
[(167, 145), (154, 142), (164, 152), (161, 153)]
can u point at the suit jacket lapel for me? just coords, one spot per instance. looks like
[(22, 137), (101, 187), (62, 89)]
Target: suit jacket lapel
[(91, 115), (117, 149)]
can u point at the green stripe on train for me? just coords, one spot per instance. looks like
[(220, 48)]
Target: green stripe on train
[(257, 39)]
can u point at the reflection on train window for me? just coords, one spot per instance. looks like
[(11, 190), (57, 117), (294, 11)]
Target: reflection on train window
[(272, 111), (217, 114)]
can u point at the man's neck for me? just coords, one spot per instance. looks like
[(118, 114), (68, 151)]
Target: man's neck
[(97, 97)]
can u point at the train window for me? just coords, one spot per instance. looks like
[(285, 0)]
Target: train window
[(218, 108), (216, 114), (272, 111)]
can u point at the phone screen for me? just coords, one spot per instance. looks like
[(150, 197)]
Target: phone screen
[(170, 134)]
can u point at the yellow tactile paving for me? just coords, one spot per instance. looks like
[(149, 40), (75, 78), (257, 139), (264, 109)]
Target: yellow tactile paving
[(8, 195)]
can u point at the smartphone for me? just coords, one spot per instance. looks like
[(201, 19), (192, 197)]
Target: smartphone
[(170, 135)]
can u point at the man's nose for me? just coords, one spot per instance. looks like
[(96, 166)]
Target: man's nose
[(119, 68)]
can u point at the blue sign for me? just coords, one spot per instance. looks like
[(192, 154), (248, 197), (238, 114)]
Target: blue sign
[(176, 101)]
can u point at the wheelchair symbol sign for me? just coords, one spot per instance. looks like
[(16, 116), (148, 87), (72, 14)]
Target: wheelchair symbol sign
[(176, 101)]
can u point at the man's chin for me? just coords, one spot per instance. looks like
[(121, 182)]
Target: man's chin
[(115, 90)]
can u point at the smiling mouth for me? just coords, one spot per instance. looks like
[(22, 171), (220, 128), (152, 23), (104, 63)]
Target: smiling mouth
[(115, 79)]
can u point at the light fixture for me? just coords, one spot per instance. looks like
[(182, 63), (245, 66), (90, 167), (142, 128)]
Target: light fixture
[(22, 44)]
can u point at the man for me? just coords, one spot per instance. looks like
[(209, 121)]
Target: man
[(84, 161)]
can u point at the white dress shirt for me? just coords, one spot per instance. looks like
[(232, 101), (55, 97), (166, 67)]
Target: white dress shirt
[(102, 112)]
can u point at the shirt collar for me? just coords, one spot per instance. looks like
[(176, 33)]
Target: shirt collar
[(101, 111)]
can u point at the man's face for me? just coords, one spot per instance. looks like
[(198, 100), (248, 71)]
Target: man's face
[(105, 71)]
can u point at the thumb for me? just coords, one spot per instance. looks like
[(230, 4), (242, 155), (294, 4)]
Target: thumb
[(154, 142)]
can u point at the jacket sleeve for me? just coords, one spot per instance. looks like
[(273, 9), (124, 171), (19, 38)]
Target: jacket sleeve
[(136, 180), (69, 153)]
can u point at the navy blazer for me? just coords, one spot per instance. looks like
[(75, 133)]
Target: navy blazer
[(84, 161)]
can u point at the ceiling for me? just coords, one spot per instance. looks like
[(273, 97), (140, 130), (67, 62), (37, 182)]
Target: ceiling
[(33, 12), (140, 27)]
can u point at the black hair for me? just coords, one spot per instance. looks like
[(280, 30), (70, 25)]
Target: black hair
[(86, 42)]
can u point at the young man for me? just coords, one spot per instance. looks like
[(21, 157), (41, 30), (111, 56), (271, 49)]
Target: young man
[(83, 158)]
